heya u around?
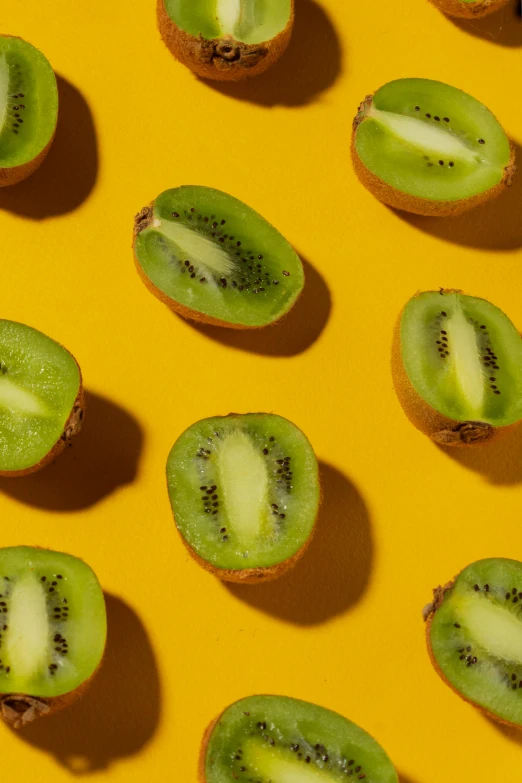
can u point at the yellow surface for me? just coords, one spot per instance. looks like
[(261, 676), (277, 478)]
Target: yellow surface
[(399, 514)]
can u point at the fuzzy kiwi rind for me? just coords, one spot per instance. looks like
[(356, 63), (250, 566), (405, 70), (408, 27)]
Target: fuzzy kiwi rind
[(440, 428), (415, 204), (465, 10), (12, 175), (222, 59)]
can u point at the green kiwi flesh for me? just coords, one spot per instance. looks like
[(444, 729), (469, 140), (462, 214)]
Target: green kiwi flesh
[(463, 356), (248, 21), (475, 636), (244, 490), (53, 623), (215, 259), (28, 103), (275, 739), (39, 384), (431, 141)]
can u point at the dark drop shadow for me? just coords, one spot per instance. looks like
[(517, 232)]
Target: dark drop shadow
[(69, 172), (503, 27), (500, 461), (311, 64), (334, 572), (511, 733), (119, 713), (496, 225), (101, 458), (295, 333), (406, 778)]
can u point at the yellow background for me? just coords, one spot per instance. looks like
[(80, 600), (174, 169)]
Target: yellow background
[(399, 515)]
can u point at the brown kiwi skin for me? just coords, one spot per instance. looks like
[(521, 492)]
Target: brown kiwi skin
[(12, 175), (441, 429), (422, 206), (72, 427), (469, 10), (141, 221), (222, 59)]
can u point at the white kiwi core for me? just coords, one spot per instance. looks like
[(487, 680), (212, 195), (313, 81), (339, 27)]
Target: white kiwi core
[(495, 629), (4, 90), (27, 642), (275, 765), (197, 247)]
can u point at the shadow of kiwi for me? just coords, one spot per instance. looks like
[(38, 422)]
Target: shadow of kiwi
[(503, 28), (334, 572), (311, 64), (496, 225), (294, 334), (69, 172), (511, 733), (406, 778), (120, 712), (101, 458)]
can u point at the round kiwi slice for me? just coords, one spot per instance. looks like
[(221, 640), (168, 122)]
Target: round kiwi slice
[(470, 9), (244, 491), (52, 631), (211, 258), (457, 367), (227, 40), (428, 148), (41, 399), (28, 109), (271, 739), (474, 634)]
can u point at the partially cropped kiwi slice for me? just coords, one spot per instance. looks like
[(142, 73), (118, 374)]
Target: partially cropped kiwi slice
[(457, 365), (52, 631), (41, 399), (425, 147), (213, 259), (227, 40), (275, 739), (470, 9), (28, 109), (244, 491), (474, 633)]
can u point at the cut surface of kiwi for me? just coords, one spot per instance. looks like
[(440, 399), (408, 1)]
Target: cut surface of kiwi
[(475, 636), (52, 627), (276, 739), (211, 258), (244, 491), (40, 397), (426, 147), (460, 364), (226, 39), (28, 108)]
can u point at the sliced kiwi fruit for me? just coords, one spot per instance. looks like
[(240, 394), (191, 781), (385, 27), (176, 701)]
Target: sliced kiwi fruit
[(425, 147), (457, 367), (52, 631), (28, 109), (41, 399), (275, 739), (474, 635), (244, 491), (227, 40), (211, 258), (470, 9)]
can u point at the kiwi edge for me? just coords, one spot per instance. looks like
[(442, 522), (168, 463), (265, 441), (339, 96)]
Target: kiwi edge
[(422, 206), (222, 59), (469, 10)]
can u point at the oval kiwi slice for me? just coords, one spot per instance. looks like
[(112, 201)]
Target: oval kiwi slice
[(244, 491), (474, 633), (470, 9), (457, 367), (213, 259), (275, 739), (41, 399), (428, 148), (28, 109), (52, 631), (227, 40)]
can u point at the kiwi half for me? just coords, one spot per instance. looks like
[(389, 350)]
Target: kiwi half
[(52, 631), (474, 635), (41, 399), (470, 9), (227, 40), (211, 258), (428, 148), (28, 109), (275, 739), (244, 491), (457, 367)]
